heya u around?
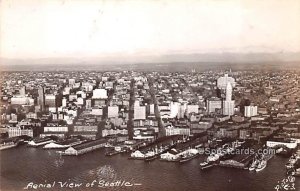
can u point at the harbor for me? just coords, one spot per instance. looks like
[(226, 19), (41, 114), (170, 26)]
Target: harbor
[(48, 163)]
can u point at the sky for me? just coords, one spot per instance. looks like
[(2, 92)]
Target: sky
[(115, 28)]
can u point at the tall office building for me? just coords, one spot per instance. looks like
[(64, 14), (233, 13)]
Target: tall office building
[(41, 98), (88, 104), (228, 104), (139, 112), (71, 82), (250, 111), (50, 100), (214, 104), (100, 94), (64, 102), (228, 92), (223, 81), (112, 111), (22, 91)]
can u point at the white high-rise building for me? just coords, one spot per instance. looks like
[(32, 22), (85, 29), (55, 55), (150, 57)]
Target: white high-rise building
[(88, 104), (250, 111), (174, 109), (228, 104), (64, 102), (113, 111), (71, 82), (152, 109), (41, 98), (228, 92), (100, 94), (214, 104), (192, 109), (139, 112), (223, 81), (22, 91), (66, 90), (20, 100)]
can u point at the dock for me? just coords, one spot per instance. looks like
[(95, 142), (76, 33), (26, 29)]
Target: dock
[(85, 147)]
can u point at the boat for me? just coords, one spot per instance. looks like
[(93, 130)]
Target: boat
[(261, 165), (63, 144), (213, 158), (285, 152), (112, 152), (170, 156), (292, 161), (137, 155), (154, 154), (9, 143), (189, 155), (254, 164), (151, 155), (279, 150), (296, 172), (205, 165), (39, 142)]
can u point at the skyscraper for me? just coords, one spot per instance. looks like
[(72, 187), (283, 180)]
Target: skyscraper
[(250, 111), (223, 81), (41, 99), (228, 92), (22, 91), (228, 104)]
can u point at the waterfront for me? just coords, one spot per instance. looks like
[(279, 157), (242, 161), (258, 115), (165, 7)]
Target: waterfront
[(22, 165)]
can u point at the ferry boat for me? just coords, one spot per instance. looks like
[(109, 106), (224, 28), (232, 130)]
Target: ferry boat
[(39, 142), (261, 165)]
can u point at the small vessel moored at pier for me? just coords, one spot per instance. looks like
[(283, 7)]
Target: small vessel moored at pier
[(261, 166), (189, 155), (9, 143), (39, 142)]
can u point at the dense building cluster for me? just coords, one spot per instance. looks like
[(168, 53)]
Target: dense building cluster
[(138, 105)]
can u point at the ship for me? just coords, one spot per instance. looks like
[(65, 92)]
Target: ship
[(151, 155), (213, 158), (63, 144), (9, 143), (137, 155), (205, 165), (261, 165), (285, 152), (189, 155), (39, 142), (292, 161), (254, 165), (171, 156), (296, 172), (210, 161)]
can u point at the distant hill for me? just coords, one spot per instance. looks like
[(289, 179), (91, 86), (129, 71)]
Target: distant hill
[(176, 62)]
